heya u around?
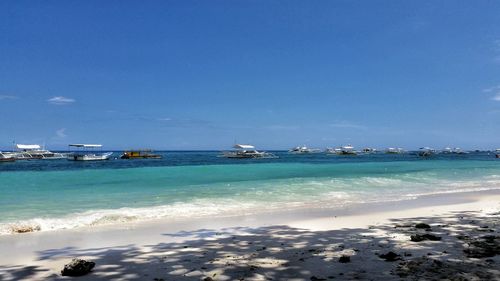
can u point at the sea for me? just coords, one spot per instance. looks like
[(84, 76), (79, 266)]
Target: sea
[(49, 195)]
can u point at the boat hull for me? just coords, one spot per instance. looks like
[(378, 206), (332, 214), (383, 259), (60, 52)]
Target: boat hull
[(89, 157)]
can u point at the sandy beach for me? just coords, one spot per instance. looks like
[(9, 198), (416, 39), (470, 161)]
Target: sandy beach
[(456, 237)]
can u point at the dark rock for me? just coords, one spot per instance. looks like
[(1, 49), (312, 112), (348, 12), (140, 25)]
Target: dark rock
[(484, 247), (208, 279), (314, 278), (345, 259), (422, 226), (77, 267), (422, 237), (390, 256)]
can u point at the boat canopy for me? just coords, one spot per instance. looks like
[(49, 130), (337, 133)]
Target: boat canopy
[(27, 146), (243, 146), (86, 145)]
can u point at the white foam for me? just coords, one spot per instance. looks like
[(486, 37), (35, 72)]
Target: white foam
[(286, 194)]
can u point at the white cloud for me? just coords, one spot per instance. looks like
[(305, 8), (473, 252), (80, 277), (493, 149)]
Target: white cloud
[(61, 133), (164, 119), (492, 89), (59, 100), (7, 97), (496, 97), (346, 124), (495, 91)]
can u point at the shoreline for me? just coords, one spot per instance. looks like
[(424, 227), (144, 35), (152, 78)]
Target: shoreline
[(50, 250), (125, 217)]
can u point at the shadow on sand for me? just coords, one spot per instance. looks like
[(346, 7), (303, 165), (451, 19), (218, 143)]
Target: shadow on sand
[(285, 253)]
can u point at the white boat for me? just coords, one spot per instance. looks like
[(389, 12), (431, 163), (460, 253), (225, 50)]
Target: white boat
[(246, 151), (303, 150), (85, 153), (426, 151), (447, 150), (330, 150), (343, 150), (393, 150), (34, 151), (457, 150)]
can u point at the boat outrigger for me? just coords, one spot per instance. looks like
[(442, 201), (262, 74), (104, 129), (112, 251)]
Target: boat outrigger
[(343, 150), (369, 150), (303, 150), (140, 154), (34, 151), (393, 150), (7, 157), (246, 151), (426, 151), (85, 153)]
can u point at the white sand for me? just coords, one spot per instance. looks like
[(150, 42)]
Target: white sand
[(291, 245)]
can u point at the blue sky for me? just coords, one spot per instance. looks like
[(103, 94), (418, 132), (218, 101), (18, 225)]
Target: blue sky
[(204, 74)]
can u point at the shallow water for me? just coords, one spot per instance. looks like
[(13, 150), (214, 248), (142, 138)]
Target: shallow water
[(57, 194)]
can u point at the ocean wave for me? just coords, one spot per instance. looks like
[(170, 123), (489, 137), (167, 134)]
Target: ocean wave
[(266, 196)]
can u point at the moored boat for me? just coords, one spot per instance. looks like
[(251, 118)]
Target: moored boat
[(426, 151), (343, 150), (303, 150), (85, 153), (35, 151), (369, 150), (393, 150), (140, 154), (246, 151)]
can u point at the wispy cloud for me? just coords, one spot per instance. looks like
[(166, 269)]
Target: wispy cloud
[(347, 125), (7, 97), (61, 133), (60, 100), (495, 91), (182, 122), (282, 127)]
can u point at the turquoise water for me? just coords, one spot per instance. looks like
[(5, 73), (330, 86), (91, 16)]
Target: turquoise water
[(60, 194)]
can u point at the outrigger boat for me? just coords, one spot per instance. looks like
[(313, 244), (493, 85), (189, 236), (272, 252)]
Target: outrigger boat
[(426, 151), (343, 150), (392, 150), (246, 151), (303, 150), (34, 151), (369, 150), (140, 154), (84, 153)]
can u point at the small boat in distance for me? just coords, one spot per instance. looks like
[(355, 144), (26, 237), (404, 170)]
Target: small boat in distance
[(343, 150), (369, 150), (140, 154), (457, 150), (85, 153), (426, 151), (392, 150), (303, 150), (246, 151), (347, 150)]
